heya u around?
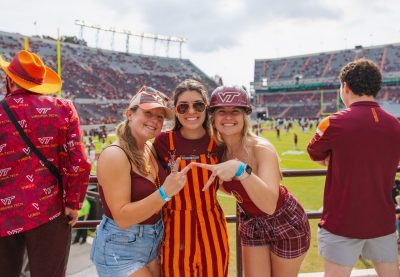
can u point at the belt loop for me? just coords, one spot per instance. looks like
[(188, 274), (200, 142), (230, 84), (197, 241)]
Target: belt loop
[(107, 220), (159, 226), (141, 230)]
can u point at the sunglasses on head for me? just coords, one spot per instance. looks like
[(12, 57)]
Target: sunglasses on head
[(198, 106), (151, 90)]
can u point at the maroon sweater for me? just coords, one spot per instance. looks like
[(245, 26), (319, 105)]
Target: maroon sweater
[(363, 142)]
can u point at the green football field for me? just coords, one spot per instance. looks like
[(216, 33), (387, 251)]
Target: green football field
[(308, 190)]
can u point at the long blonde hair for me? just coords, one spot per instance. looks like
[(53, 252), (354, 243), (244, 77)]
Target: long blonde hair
[(128, 143), (246, 134)]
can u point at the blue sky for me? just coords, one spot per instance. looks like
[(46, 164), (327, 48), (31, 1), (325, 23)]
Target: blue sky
[(224, 37)]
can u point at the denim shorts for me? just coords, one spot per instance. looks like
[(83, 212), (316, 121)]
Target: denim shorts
[(120, 252)]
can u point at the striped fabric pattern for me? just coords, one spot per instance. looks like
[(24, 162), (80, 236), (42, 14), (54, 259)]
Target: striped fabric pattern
[(196, 236)]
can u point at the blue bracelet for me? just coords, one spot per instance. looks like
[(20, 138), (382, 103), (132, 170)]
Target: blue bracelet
[(240, 169), (163, 194)]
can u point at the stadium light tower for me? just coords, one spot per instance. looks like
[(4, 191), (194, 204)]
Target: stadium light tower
[(81, 36), (127, 42), (180, 49), (112, 30), (154, 37), (155, 45), (167, 48), (97, 27), (141, 43)]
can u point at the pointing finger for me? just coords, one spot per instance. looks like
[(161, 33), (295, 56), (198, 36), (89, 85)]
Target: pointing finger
[(175, 168), (206, 166), (186, 169), (210, 181)]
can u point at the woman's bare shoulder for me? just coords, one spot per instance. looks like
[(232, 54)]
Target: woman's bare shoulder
[(113, 157), (262, 145)]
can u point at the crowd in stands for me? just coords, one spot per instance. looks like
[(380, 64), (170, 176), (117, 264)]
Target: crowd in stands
[(323, 67), (99, 74), (308, 103), (107, 79)]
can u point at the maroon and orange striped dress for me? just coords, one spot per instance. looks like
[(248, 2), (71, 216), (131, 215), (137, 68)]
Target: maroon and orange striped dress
[(196, 237)]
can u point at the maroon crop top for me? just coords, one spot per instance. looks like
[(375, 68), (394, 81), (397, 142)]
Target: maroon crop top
[(141, 187)]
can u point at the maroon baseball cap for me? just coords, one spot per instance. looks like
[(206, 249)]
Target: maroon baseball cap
[(230, 96), (148, 98)]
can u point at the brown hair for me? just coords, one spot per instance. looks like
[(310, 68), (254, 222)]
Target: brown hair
[(362, 76), (128, 143), (188, 85)]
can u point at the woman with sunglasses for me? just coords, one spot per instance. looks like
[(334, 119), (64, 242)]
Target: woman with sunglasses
[(133, 189), (196, 240), (273, 227)]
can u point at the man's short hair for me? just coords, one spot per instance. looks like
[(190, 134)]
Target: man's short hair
[(362, 76)]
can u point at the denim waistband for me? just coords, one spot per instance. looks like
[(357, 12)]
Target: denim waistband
[(137, 229)]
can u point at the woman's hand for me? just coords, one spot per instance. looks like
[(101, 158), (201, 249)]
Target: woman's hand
[(224, 171), (176, 180)]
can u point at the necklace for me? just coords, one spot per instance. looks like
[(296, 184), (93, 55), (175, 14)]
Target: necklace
[(155, 177)]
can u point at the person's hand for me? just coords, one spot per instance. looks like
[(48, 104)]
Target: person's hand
[(176, 180), (224, 171), (72, 215), (325, 162)]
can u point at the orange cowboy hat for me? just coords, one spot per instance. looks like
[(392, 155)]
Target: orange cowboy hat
[(29, 72)]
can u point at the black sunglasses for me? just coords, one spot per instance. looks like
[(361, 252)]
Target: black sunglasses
[(183, 108)]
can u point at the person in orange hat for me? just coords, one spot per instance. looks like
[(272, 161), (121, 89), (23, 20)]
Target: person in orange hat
[(39, 196)]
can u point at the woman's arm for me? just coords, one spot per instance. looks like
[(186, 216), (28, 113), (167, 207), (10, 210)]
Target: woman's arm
[(262, 185), (113, 171)]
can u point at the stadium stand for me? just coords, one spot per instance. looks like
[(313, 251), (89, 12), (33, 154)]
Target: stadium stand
[(308, 85), (99, 81)]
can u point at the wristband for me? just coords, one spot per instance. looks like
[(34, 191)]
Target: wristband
[(246, 173), (163, 194), (240, 169)]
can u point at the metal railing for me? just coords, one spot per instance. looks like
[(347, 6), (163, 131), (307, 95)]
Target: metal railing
[(88, 224)]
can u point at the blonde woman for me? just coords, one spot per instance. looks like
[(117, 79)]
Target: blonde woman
[(273, 227), (133, 189)]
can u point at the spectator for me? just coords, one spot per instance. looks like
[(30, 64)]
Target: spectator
[(360, 146), (278, 132), (91, 148), (273, 226), (196, 237), (133, 189), (35, 205), (82, 215)]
